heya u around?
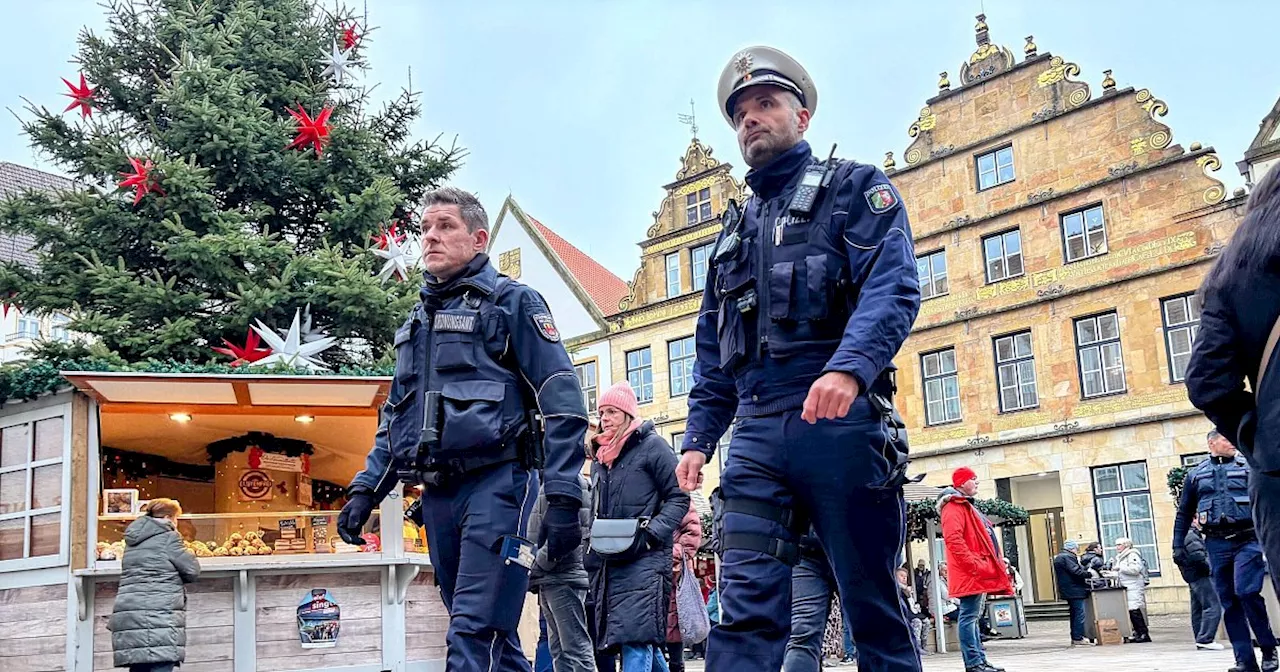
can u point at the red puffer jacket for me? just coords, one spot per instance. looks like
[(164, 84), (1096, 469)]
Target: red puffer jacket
[(688, 539), (974, 563)]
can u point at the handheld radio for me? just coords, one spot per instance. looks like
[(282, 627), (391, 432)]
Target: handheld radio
[(816, 178)]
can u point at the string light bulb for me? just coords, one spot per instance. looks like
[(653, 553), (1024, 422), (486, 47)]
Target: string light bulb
[(180, 417)]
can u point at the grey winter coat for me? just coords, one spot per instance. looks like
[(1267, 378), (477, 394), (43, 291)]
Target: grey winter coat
[(569, 570), (631, 595), (149, 620)]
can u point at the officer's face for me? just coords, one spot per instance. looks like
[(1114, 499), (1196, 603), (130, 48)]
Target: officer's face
[(447, 245), (1220, 447), (769, 121)]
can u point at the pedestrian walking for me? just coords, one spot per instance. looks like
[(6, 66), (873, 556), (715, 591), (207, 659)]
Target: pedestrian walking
[(1240, 304), (482, 404), (915, 615), (811, 294), (813, 588), (561, 587), (976, 567), (1130, 569), (1216, 494), (1073, 586), (148, 621), (633, 479), (1206, 609), (684, 552)]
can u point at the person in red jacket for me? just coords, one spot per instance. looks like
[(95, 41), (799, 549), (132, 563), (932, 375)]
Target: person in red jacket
[(688, 538), (975, 562)]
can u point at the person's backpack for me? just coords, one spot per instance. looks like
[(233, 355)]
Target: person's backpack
[(1146, 571)]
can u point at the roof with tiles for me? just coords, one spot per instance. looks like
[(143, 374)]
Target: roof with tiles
[(14, 180), (604, 288)]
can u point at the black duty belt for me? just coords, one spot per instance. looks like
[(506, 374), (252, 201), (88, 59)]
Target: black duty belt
[(441, 471)]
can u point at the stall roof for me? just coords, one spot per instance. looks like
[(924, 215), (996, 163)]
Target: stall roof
[(232, 394)]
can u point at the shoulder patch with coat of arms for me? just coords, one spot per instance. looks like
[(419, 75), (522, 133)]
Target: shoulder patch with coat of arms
[(546, 327), (881, 198)]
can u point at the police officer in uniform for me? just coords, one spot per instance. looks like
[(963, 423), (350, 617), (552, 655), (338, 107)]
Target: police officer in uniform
[(1216, 493), (812, 291), (483, 401)]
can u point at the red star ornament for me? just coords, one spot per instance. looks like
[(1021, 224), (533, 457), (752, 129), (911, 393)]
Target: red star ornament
[(350, 35), (140, 180), (81, 96), (386, 237), (311, 131), (250, 353)]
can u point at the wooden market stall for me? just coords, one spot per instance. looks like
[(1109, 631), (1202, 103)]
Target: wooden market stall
[(258, 463)]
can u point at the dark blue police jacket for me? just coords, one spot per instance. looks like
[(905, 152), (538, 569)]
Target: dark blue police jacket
[(837, 291), (488, 346), (1216, 492)]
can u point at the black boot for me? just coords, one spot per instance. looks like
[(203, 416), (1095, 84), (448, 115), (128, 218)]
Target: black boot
[(1270, 663), (1140, 633), (1243, 667)]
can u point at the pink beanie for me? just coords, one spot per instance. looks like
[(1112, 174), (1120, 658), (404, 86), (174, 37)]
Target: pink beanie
[(621, 397)]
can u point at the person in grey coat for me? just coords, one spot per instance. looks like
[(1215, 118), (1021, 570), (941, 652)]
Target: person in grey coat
[(149, 620), (561, 588)]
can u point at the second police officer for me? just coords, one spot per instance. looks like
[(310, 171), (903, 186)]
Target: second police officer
[(812, 292), (1216, 492), (477, 362)]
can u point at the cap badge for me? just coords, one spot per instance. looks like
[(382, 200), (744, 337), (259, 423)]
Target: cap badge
[(742, 62)]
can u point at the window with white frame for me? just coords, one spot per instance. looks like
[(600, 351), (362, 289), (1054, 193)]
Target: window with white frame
[(640, 373), (587, 380), (995, 168), (28, 327), (932, 269), (1084, 234), (1003, 255), (59, 330), (673, 274), (697, 206), (1016, 372), (680, 358), (677, 440), (1181, 326), (31, 489), (1101, 362), (1194, 459), (1122, 499), (941, 387), (700, 258)]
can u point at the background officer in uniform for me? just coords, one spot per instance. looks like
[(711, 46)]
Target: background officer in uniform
[(1217, 494), (474, 361), (806, 304)]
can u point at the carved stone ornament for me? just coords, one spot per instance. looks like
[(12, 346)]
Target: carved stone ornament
[(957, 222), (1041, 195), (1217, 192), (988, 59), (1108, 82), (1050, 291), (697, 159), (966, 313), (1122, 169), (1215, 248), (941, 151)]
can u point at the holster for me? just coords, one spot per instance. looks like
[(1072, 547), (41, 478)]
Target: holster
[(896, 449)]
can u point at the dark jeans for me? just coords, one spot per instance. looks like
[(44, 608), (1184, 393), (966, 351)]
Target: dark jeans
[(811, 589), (606, 659), (1077, 619), (542, 654), (1238, 572), (970, 639), (1206, 610), (152, 667), (675, 656), (563, 608)]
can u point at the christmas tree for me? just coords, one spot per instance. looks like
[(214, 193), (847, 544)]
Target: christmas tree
[(231, 176)]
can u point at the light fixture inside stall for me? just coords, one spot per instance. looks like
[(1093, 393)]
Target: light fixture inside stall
[(304, 419), (180, 417)]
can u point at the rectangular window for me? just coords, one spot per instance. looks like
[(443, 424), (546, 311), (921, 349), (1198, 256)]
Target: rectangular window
[(932, 268), (680, 357), (941, 387), (31, 457), (1016, 372), (28, 327), (1194, 459), (995, 168), (1101, 363), (1003, 255), (640, 373), (1084, 233), (590, 384), (677, 440), (59, 330), (673, 274), (700, 258), (1181, 326), (697, 206), (1122, 498)]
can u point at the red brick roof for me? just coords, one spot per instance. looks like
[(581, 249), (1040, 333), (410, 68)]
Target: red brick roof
[(604, 288)]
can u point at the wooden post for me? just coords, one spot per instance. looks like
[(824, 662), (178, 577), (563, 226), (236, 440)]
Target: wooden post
[(80, 409)]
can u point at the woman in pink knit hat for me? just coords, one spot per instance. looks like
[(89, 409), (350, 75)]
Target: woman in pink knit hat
[(634, 477)]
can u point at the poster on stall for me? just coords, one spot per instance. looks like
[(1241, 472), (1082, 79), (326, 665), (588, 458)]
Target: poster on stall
[(278, 462), (318, 620), (304, 490), (1002, 613), (320, 534), (255, 486)]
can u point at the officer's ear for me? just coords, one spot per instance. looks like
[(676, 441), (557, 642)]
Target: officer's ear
[(802, 119), (480, 240)]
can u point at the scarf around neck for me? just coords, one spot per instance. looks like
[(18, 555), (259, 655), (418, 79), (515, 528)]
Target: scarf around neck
[(609, 446)]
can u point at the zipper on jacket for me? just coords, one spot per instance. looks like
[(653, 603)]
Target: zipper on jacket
[(762, 284)]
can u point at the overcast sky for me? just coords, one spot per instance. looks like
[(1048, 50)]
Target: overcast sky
[(571, 106)]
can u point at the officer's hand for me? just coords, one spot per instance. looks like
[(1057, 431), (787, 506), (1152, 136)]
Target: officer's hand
[(561, 531), (830, 397), (353, 517), (689, 471)]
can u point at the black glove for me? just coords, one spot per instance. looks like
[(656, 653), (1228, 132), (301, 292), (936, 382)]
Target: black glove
[(561, 532), (354, 515)]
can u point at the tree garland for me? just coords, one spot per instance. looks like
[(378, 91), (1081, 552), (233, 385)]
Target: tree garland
[(920, 513), (135, 466), (220, 449), (1175, 480)]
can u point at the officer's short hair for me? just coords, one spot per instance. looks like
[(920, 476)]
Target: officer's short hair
[(468, 205), (1213, 434)]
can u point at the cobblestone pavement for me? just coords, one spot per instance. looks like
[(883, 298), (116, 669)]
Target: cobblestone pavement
[(1045, 650)]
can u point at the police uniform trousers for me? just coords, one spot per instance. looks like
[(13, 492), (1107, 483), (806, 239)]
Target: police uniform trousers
[(1238, 571), (830, 471), (466, 522)]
